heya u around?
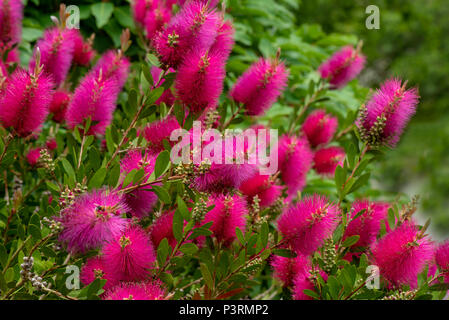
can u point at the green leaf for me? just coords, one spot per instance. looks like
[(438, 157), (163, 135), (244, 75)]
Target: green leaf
[(284, 253), (188, 248), (311, 293), (102, 12), (163, 250), (153, 60), (264, 234), (97, 180), (206, 275), (129, 178), (3, 256), (35, 232), (178, 223), (340, 177), (240, 236), (182, 207), (162, 163), (350, 241), (154, 95), (68, 168), (361, 181), (162, 194)]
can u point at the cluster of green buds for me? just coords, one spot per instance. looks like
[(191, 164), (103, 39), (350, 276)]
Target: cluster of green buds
[(46, 161), (329, 255), (55, 226), (276, 208), (28, 275), (212, 117), (401, 295), (190, 171), (373, 136), (199, 210), (68, 195), (254, 210)]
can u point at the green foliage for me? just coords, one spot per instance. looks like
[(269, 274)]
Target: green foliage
[(83, 163)]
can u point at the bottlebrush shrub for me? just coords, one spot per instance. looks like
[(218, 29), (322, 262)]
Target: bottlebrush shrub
[(87, 181)]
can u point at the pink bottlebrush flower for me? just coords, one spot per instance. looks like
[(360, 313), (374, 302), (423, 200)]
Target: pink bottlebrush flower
[(156, 19), (367, 225), (162, 228), (159, 131), (260, 86), (262, 186), (212, 3), (199, 81), (229, 212), (224, 42), (33, 156), (342, 67), (167, 96), (319, 127), (295, 160), (302, 282), (136, 291), (59, 104), (140, 201), (309, 223), (11, 15), (94, 97), (229, 172), (402, 254), (139, 9), (194, 27), (113, 65), (129, 256), (25, 102), (92, 220), (83, 53), (286, 269), (56, 49), (442, 259), (326, 160), (387, 113), (94, 269), (51, 144)]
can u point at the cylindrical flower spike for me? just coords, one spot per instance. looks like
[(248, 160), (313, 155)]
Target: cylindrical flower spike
[(295, 160), (194, 27), (129, 256), (260, 86), (326, 160), (367, 225), (59, 104), (25, 102), (386, 114), (287, 269), (229, 213), (199, 82), (11, 14), (57, 48), (92, 220), (402, 254), (136, 291), (306, 225), (94, 97), (343, 66), (319, 127)]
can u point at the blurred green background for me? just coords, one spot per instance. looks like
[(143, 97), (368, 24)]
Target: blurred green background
[(412, 43)]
